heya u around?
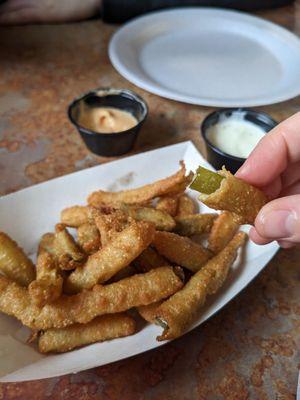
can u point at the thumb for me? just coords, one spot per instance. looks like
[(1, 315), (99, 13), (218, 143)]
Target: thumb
[(280, 220)]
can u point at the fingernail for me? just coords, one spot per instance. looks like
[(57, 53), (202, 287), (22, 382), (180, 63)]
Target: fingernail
[(278, 224)]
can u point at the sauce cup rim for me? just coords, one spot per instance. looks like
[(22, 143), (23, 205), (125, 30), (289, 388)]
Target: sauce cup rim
[(204, 127), (102, 92)]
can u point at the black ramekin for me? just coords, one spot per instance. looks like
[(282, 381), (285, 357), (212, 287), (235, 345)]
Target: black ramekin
[(110, 144), (216, 157)]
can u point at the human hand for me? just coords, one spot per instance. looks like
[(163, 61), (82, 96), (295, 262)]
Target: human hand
[(274, 167), (14, 12)]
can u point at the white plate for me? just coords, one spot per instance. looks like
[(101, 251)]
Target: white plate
[(27, 214), (210, 57)]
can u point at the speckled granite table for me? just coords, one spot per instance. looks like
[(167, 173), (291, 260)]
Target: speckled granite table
[(250, 349)]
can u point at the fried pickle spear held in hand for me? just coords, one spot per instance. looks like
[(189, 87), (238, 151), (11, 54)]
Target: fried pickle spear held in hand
[(142, 194), (102, 328), (48, 284), (179, 311), (135, 291), (181, 250), (223, 191), (112, 257), (14, 263)]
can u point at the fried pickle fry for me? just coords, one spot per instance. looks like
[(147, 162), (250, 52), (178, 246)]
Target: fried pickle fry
[(223, 230), (232, 195), (181, 250), (47, 286), (149, 259), (135, 291), (142, 194), (162, 220), (123, 273), (186, 206), (88, 237), (14, 263), (75, 216), (179, 311), (67, 251), (168, 204), (102, 328), (110, 224), (46, 244), (149, 312), (195, 224), (112, 257)]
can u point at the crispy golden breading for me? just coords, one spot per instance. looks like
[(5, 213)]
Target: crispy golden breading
[(169, 204), (14, 263), (149, 259), (181, 250), (88, 237), (223, 230), (195, 224), (67, 252), (140, 289), (102, 328), (142, 194), (236, 196), (178, 312), (48, 284), (149, 312), (162, 220), (110, 224), (124, 273), (47, 244), (75, 216), (186, 206), (112, 257)]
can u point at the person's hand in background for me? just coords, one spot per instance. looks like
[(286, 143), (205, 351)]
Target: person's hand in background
[(274, 166), (13, 12)]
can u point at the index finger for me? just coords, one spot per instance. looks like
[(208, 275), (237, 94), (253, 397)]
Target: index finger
[(273, 153)]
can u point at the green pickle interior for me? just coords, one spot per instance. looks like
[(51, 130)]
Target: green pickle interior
[(206, 181)]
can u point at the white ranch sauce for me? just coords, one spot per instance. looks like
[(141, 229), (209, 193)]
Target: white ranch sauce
[(235, 135)]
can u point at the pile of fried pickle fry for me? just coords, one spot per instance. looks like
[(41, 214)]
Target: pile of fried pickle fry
[(138, 249)]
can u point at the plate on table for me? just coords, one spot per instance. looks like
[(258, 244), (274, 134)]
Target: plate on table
[(210, 57), (37, 209)]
